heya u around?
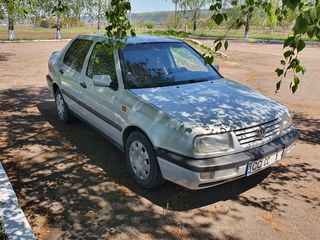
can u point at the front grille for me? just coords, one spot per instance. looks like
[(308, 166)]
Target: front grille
[(250, 135)]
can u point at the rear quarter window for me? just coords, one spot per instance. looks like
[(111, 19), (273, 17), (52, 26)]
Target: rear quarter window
[(77, 53)]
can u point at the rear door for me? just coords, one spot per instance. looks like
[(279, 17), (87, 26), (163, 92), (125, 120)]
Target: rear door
[(71, 72)]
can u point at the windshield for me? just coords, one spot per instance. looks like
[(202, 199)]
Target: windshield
[(164, 64)]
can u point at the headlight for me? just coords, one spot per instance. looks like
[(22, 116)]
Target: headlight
[(286, 121), (213, 143)]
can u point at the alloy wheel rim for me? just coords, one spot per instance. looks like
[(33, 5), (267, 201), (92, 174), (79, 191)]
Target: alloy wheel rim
[(139, 160)]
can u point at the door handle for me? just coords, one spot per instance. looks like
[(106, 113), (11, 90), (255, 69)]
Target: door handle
[(61, 71), (83, 84)]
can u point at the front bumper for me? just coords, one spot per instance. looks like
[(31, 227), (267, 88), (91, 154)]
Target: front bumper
[(190, 172)]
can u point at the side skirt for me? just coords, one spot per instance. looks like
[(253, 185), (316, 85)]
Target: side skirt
[(109, 139)]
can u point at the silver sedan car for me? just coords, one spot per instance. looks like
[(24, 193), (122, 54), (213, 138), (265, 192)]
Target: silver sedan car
[(175, 117)]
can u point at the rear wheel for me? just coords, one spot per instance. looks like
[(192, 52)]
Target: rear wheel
[(63, 111), (142, 162)]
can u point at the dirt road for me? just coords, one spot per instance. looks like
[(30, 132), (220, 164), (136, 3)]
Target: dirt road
[(73, 184)]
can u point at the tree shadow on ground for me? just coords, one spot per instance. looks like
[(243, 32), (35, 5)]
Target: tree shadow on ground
[(310, 128), (78, 182), (73, 182), (5, 56)]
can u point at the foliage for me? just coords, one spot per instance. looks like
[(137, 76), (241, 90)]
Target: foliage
[(118, 23), (14, 9), (149, 25), (192, 9), (2, 230), (170, 32), (173, 21), (96, 9), (307, 22), (305, 15)]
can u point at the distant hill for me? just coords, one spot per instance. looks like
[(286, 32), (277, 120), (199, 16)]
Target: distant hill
[(157, 17)]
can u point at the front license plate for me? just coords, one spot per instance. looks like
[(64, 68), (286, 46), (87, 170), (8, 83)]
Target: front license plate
[(258, 165)]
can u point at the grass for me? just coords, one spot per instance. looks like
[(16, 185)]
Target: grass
[(2, 231), (49, 30), (255, 34), (32, 33), (37, 33)]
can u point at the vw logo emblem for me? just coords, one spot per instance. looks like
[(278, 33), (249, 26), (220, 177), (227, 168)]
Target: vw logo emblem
[(261, 133)]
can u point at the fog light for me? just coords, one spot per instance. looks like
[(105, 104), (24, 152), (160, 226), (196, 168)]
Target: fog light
[(218, 174), (206, 175)]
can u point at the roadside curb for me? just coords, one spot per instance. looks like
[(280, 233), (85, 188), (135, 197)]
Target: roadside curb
[(15, 223), (40, 40)]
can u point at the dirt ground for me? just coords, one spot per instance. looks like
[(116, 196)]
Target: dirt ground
[(73, 184)]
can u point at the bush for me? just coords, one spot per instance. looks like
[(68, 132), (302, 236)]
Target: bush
[(2, 231), (149, 26), (72, 22), (45, 22), (170, 32), (52, 21)]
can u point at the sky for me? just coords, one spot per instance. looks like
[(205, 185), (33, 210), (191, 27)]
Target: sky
[(139, 6)]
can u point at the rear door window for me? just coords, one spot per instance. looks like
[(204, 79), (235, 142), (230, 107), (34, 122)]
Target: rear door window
[(77, 53)]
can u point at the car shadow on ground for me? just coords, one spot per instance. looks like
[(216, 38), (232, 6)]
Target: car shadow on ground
[(77, 181), (108, 157)]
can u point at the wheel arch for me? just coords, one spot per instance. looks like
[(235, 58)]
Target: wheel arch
[(55, 87), (130, 129)]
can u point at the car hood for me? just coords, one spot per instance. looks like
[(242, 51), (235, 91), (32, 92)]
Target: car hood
[(214, 106)]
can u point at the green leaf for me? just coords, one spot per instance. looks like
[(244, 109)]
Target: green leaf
[(239, 24), (269, 9), (208, 59), (311, 30), (301, 45), (279, 71), (301, 69), (278, 85), (234, 2), (283, 62), (218, 18), (288, 54), (226, 44), (217, 40), (313, 14), (294, 88), (288, 42), (218, 46), (295, 84), (293, 64), (292, 4), (301, 25)]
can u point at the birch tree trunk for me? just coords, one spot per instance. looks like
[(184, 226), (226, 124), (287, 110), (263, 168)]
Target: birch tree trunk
[(246, 31), (58, 28), (11, 28)]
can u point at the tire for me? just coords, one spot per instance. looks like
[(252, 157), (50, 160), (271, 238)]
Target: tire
[(142, 162), (63, 111)]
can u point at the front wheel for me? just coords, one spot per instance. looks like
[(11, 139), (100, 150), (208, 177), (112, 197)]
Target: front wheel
[(142, 162), (63, 111)]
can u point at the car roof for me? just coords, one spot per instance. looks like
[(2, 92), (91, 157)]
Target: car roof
[(135, 40)]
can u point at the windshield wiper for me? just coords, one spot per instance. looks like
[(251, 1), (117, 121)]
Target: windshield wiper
[(164, 84)]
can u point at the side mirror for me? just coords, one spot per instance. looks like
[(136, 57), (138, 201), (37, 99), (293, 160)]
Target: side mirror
[(102, 80), (216, 66)]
